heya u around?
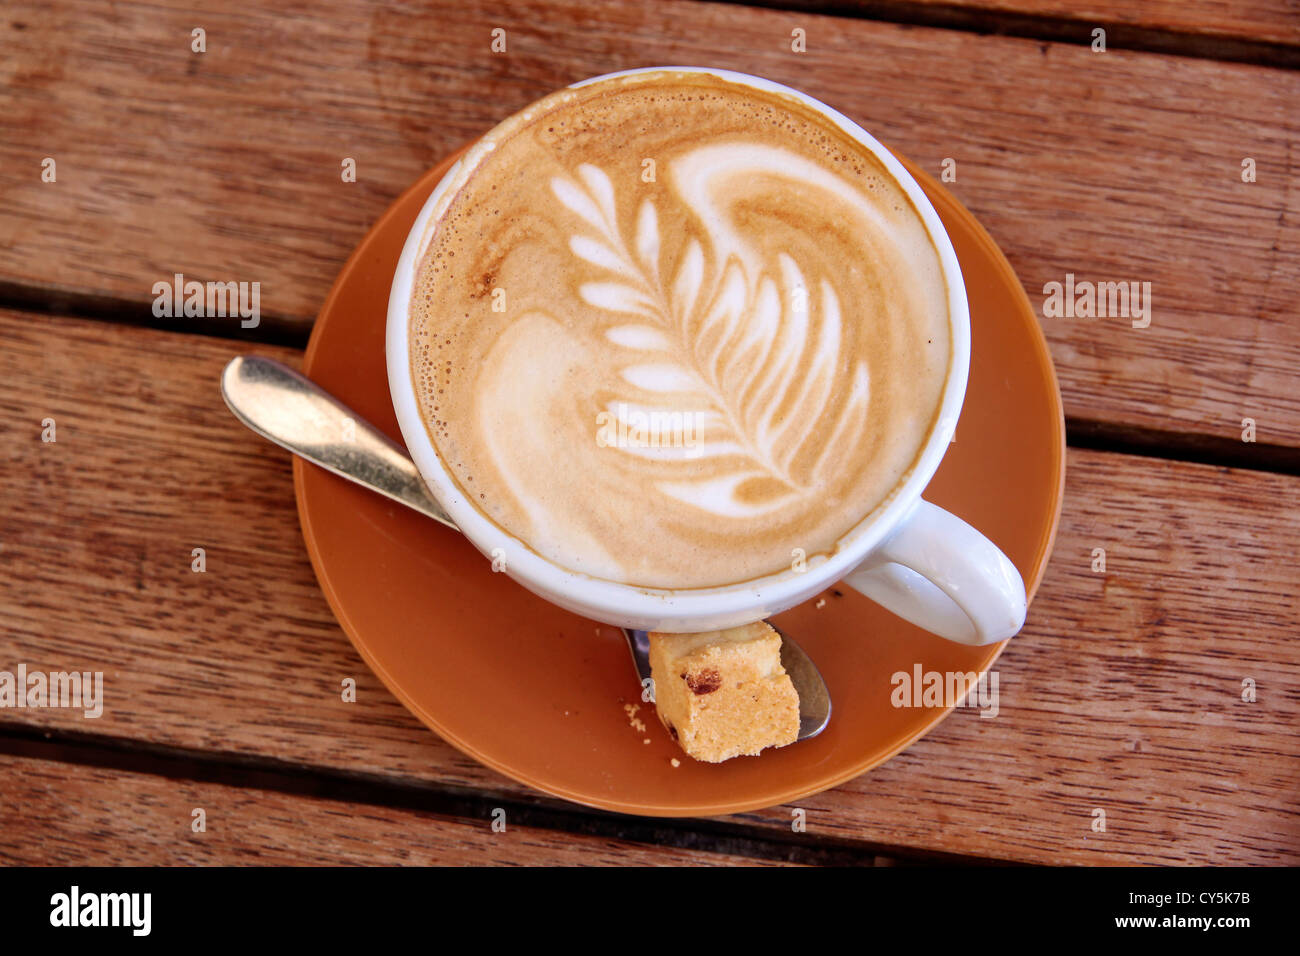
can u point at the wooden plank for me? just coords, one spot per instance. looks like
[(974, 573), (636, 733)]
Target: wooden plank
[(58, 814), (1123, 694), (1260, 21), (226, 165)]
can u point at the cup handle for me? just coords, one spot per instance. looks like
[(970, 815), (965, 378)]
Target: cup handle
[(941, 574)]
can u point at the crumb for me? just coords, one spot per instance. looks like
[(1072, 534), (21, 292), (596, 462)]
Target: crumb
[(646, 741), (633, 720), (676, 762), (821, 602)]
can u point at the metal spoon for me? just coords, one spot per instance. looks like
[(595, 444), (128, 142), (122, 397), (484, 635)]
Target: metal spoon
[(298, 415)]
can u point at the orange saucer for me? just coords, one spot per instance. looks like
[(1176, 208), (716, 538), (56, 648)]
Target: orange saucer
[(539, 694)]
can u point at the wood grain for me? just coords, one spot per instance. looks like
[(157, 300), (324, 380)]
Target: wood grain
[(226, 165), (1123, 694), (1271, 21), (57, 814)]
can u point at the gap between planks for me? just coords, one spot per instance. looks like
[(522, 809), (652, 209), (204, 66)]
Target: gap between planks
[(1170, 444), (1051, 28), (712, 835)]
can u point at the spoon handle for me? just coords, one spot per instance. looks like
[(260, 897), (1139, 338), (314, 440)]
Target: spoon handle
[(294, 413)]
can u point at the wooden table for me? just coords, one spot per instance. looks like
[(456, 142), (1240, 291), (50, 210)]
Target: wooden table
[(1123, 694)]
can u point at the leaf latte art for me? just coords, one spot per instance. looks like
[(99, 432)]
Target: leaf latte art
[(678, 333)]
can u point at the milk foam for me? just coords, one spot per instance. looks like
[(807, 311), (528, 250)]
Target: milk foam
[(769, 293)]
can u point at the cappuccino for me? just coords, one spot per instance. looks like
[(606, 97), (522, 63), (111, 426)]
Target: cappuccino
[(674, 331)]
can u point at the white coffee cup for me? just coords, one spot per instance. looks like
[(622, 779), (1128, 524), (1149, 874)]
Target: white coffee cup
[(924, 564)]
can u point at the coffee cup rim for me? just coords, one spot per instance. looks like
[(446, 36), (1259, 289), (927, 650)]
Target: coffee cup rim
[(679, 609)]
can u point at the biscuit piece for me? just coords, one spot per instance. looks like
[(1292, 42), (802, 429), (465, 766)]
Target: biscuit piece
[(724, 693)]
